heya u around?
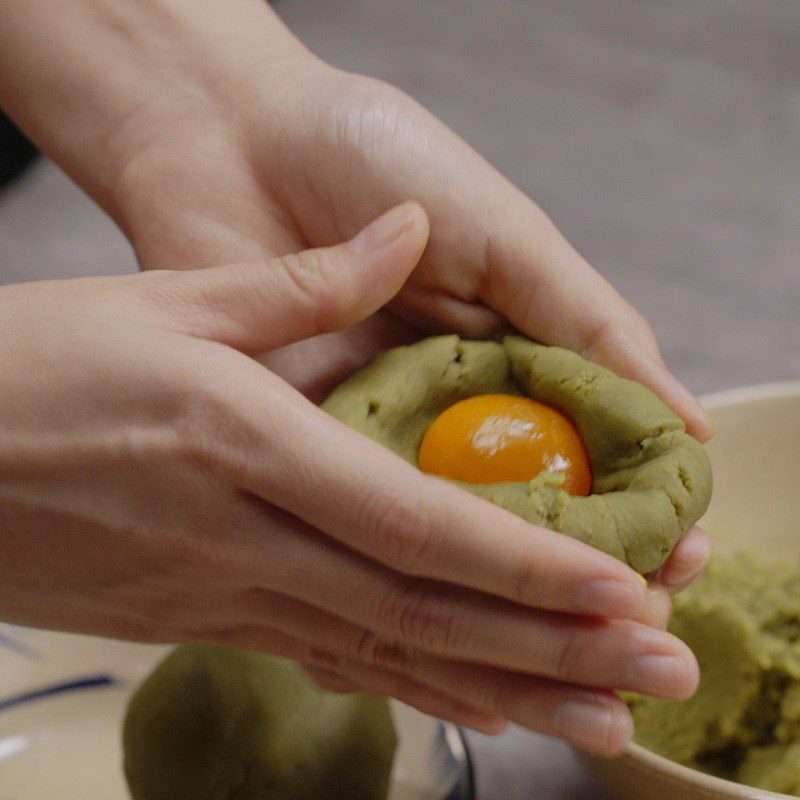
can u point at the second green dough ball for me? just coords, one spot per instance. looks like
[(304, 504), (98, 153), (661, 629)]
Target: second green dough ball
[(212, 723)]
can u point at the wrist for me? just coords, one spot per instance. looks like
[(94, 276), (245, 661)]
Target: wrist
[(97, 82)]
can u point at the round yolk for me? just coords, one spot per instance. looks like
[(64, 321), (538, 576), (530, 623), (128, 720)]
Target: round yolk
[(499, 437)]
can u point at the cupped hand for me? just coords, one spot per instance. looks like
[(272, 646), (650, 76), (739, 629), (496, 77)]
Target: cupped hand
[(308, 157), (158, 484)]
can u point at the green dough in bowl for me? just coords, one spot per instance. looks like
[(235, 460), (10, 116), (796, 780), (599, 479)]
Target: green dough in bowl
[(651, 480), (217, 724), (742, 621)]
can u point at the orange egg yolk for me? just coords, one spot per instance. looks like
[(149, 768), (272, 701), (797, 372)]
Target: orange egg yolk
[(499, 437)]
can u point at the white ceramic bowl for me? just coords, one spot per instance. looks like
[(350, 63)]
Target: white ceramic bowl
[(63, 697), (755, 455)]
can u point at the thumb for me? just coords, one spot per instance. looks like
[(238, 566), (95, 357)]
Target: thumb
[(257, 306)]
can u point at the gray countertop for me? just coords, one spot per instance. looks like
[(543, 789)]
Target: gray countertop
[(664, 138)]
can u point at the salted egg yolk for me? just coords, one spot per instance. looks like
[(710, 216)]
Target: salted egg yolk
[(499, 437)]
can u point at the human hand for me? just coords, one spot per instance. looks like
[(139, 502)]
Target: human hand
[(217, 138), (307, 158), (158, 484)]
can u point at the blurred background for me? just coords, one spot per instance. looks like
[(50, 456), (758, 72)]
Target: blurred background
[(663, 139)]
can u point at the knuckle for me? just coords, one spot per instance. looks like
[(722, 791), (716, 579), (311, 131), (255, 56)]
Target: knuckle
[(311, 276), (636, 326), (304, 271), (377, 110), (422, 617), (597, 335), (570, 654), (376, 652), (324, 658), (401, 527), (364, 647), (318, 281), (498, 695), (619, 328), (621, 644), (528, 579)]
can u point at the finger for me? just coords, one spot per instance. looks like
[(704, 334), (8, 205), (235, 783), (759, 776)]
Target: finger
[(259, 306), (596, 721), (466, 693), (434, 312), (659, 606), (463, 693), (549, 292), (603, 654), (687, 561), (362, 495), (362, 608), (421, 697), (327, 646), (331, 681)]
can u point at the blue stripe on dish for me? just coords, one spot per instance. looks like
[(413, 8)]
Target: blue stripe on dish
[(78, 685), (23, 649)]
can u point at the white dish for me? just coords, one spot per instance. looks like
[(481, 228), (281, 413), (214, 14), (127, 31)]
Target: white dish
[(62, 701)]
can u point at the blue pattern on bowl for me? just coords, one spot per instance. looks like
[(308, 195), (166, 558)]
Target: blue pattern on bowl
[(43, 692)]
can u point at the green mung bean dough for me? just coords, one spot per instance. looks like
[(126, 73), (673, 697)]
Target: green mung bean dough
[(212, 723), (742, 621), (651, 480)]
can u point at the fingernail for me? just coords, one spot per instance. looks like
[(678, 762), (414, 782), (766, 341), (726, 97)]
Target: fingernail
[(690, 559), (588, 724), (659, 608), (612, 599), (698, 549), (384, 230), (696, 553), (659, 675)]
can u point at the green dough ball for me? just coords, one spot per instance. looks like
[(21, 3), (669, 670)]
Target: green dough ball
[(742, 621), (651, 480), (217, 724)]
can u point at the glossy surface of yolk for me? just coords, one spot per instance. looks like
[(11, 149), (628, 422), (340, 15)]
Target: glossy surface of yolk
[(499, 437)]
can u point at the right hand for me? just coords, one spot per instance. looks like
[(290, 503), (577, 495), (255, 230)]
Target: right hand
[(158, 484)]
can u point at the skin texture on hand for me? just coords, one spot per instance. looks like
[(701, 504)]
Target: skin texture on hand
[(212, 136), (209, 501)]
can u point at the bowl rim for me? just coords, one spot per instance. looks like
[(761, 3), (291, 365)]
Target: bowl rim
[(694, 777), (751, 394), (723, 399)]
